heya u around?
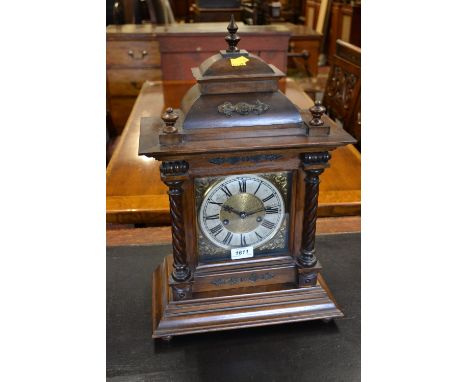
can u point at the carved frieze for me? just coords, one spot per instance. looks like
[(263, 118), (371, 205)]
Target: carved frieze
[(252, 278), (250, 158)]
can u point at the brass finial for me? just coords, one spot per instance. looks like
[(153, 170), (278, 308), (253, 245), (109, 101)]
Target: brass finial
[(169, 118), (232, 38), (317, 111)]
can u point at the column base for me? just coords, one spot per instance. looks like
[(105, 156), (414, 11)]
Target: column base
[(307, 276), (181, 290)]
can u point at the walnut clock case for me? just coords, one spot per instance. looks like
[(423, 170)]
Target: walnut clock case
[(242, 164)]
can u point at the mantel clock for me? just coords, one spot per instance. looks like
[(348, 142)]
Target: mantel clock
[(242, 165)]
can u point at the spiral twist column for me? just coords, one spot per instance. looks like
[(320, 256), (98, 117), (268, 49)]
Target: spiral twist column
[(307, 257), (313, 164), (170, 175)]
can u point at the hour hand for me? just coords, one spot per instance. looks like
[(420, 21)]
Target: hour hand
[(231, 209)]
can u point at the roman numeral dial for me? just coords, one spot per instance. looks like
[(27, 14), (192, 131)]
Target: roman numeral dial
[(241, 211)]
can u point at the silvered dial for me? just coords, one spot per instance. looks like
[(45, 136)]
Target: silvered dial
[(241, 211)]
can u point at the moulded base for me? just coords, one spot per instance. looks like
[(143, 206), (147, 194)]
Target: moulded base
[(233, 311)]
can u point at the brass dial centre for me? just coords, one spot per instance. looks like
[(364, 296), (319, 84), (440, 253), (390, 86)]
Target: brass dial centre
[(243, 213)]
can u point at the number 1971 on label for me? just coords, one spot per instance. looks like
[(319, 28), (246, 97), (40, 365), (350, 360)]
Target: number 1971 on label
[(241, 253)]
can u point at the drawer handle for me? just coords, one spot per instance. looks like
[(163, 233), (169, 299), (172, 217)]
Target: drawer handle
[(142, 55)]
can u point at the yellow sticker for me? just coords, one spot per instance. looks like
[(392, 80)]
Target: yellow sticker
[(239, 61)]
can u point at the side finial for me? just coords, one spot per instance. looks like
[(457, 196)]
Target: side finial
[(317, 111), (170, 118), (232, 38)]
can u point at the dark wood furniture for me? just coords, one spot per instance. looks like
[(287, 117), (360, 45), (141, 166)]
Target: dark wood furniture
[(305, 40), (133, 54), (204, 14), (345, 24), (311, 12), (218, 4), (135, 193), (132, 58), (342, 96), (242, 164), (181, 9), (270, 42), (190, 44)]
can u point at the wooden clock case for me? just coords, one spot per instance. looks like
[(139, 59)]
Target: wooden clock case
[(215, 136)]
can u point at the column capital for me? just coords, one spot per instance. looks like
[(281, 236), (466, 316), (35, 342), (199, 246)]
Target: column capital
[(315, 158), (173, 170)]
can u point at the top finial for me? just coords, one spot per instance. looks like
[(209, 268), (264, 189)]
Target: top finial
[(232, 39)]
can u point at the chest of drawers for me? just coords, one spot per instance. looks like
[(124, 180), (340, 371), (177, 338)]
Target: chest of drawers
[(132, 55)]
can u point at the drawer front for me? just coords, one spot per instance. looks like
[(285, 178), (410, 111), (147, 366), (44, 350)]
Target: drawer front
[(278, 59), (185, 61), (133, 54), (128, 82), (214, 43)]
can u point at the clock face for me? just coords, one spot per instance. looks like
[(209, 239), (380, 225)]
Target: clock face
[(241, 211)]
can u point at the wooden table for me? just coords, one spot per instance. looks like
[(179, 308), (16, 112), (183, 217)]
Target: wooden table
[(136, 195)]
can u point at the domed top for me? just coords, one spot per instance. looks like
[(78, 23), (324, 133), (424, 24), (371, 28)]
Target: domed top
[(237, 89), (225, 65)]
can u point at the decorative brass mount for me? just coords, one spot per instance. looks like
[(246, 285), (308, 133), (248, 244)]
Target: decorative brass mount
[(243, 108)]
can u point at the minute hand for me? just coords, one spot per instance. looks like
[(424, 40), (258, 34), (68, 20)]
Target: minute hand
[(254, 212)]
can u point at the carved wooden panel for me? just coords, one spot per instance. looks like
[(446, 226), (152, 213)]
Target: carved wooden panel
[(343, 88)]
